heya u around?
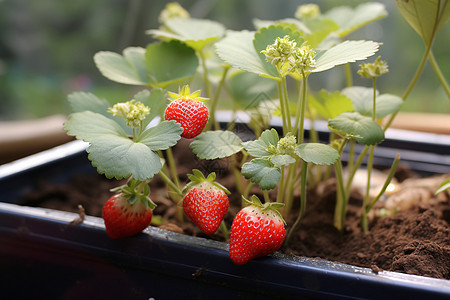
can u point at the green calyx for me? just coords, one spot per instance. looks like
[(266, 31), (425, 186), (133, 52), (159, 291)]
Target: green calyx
[(197, 178), (185, 93), (268, 206), (134, 191)]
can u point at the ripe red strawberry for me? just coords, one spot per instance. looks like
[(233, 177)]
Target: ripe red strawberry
[(205, 202), (188, 110), (126, 215), (257, 230)]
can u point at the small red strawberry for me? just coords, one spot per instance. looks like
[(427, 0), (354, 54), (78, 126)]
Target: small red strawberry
[(205, 202), (257, 230), (127, 213), (188, 110)]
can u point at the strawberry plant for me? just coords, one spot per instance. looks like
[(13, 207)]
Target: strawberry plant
[(134, 139)]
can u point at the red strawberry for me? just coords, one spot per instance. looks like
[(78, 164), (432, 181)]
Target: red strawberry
[(257, 230), (205, 203), (188, 110), (126, 215)]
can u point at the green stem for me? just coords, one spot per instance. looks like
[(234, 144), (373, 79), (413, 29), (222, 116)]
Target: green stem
[(348, 75), (302, 201), (351, 155), (172, 167), (286, 104), (341, 205), (300, 113), (280, 194), (215, 101), (171, 184), (411, 84), (266, 196), (386, 183), (208, 88), (224, 230), (366, 202), (351, 173), (283, 109), (438, 72)]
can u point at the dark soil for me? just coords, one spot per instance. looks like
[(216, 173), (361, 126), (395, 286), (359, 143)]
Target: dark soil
[(415, 241)]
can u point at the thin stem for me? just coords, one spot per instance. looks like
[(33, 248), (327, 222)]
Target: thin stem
[(341, 206), (266, 196), (283, 112), (215, 101), (364, 222), (208, 88), (280, 194), (352, 172), (224, 230), (302, 201), (172, 167), (300, 114), (348, 75), (374, 102), (438, 72), (411, 84), (286, 104), (386, 183), (171, 184)]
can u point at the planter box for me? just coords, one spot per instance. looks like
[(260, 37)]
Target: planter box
[(42, 253)]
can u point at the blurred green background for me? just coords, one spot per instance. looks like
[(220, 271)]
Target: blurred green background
[(46, 49)]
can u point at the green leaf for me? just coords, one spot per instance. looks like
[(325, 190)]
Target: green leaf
[(216, 144), (267, 36), (196, 33), (270, 137), (350, 19), (347, 51), (445, 185), (320, 28), (316, 153), (80, 101), (120, 157), (127, 69), (257, 148), (362, 99), (300, 26), (282, 160), (363, 129), (89, 126), (248, 90), (164, 135), (114, 153), (425, 17), (237, 50), (170, 63), (330, 105), (263, 172)]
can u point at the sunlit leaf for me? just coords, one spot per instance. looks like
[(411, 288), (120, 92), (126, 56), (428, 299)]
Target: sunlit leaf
[(196, 33), (363, 129), (347, 51), (330, 105), (237, 50), (127, 69), (362, 99), (426, 17), (350, 19)]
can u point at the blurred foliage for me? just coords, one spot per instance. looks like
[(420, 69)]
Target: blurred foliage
[(47, 48)]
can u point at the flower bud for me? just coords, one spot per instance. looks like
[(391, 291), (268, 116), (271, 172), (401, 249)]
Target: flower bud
[(172, 10), (373, 70), (287, 144), (307, 11)]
